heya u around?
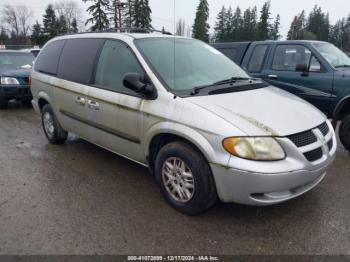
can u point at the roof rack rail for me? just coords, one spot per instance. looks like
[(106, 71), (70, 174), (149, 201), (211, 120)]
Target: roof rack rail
[(125, 30)]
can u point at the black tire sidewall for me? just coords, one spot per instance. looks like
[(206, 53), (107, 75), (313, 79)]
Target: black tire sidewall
[(344, 132), (59, 135), (205, 191)]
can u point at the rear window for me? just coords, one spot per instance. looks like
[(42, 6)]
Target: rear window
[(47, 61), (15, 60), (77, 59)]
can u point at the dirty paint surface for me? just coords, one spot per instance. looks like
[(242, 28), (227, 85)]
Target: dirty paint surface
[(80, 199)]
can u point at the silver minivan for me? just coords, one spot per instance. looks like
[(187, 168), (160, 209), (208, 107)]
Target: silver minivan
[(205, 129)]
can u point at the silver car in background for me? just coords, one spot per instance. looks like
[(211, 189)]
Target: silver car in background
[(205, 129)]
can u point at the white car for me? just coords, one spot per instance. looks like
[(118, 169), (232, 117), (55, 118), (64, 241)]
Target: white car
[(196, 119)]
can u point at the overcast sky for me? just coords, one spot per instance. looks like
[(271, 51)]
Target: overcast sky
[(163, 10)]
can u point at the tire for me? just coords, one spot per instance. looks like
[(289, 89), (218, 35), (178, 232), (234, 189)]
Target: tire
[(3, 103), (344, 132), (194, 200), (52, 128)]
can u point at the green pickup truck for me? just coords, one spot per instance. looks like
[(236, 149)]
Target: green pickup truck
[(316, 71)]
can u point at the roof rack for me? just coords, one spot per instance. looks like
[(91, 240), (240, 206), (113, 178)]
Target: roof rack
[(125, 30)]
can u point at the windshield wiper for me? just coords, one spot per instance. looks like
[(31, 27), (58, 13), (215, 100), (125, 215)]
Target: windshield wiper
[(339, 66), (231, 80)]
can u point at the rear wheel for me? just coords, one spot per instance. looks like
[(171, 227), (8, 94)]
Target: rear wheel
[(185, 178), (344, 132), (52, 128), (3, 103)]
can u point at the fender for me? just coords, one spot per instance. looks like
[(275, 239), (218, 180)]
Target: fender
[(189, 134)]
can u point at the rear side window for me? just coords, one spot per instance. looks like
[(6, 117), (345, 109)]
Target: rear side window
[(77, 60), (230, 53), (115, 61), (47, 61), (256, 61)]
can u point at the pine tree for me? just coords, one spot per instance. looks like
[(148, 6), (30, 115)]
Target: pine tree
[(129, 14), (74, 26), (4, 38), (50, 23), (318, 24), (264, 26), (142, 17), (37, 37), (228, 25), (237, 24), (62, 27), (249, 30), (220, 26), (201, 27), (99, 18), (275, 32)]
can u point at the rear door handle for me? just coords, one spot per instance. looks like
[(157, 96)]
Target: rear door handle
[(80, 100), (93, 105), (272, 76)]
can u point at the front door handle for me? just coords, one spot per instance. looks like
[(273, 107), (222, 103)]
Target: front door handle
[(93, 105), (80, 100), (272, 76)]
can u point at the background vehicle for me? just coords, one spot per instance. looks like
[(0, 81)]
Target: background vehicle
[(209, 131), (315, 71), (15, 68)]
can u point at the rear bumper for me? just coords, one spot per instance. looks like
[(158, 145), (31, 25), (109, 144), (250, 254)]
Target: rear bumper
[(21, 92)]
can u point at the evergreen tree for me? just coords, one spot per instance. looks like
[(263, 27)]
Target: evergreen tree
[(37, 37), (74, 26), (220, 26), (50, 23), (249, 27), (99, 18), (201, 27), (62, 27), (236, 26), (318, 24), (264, 26), (275, 32), (142, 16), (4, 38), (129, 14)]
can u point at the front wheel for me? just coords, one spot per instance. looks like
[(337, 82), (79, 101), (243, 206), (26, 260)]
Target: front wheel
[(185, 178), (344, 132), (52, 128)]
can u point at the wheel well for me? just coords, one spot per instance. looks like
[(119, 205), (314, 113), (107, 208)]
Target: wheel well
[(343, 110), (42, 102), (161, 140)]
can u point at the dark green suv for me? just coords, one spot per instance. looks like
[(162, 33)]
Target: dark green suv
[(316, 71)]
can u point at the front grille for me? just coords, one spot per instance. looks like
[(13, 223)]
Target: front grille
[(313, 155), (324, 128), (303, 139), (308, 138)]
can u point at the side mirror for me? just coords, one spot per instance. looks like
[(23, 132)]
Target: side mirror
[(134, 82), (302, 68)]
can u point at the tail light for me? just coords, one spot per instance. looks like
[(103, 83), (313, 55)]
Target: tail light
[(30, 81)]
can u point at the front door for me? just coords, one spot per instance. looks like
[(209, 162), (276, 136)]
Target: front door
[(114, 111), (315, 86)]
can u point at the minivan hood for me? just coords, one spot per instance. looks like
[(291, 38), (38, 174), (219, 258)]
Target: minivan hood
[(261, 112)]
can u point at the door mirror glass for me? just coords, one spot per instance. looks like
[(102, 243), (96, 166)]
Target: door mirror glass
[(134, 82)]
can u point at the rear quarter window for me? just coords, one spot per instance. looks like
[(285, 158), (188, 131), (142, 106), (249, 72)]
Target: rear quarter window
[(77, 60), (47, 61)]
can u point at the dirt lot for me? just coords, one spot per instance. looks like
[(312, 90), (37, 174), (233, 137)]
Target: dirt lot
[(80, 199)]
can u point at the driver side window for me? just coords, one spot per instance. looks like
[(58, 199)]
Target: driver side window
[(287, 57)]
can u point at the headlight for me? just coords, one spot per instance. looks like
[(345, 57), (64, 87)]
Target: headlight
[(254, 148), (9, 81)]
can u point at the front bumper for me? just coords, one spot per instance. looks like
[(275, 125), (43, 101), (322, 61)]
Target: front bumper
[(266, 183), (21, 92)]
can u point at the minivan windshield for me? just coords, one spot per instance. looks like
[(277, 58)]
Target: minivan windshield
[(16, 60), (333, 55), (196, 64)]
